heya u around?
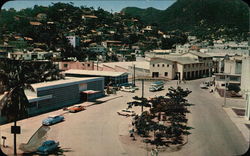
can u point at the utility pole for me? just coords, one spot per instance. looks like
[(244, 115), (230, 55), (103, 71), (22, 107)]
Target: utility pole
[(134, 76), (225, 90), (15, 153), (142, 93), (97, 63)]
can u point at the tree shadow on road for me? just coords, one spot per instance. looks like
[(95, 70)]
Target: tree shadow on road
[(98, 102)]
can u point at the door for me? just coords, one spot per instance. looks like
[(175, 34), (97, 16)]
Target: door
[(155, 74)]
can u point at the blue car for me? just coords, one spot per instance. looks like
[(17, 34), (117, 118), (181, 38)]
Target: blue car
[(47, 147), (52, 120)]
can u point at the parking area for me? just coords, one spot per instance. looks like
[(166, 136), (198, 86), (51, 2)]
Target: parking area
[(96, 131)]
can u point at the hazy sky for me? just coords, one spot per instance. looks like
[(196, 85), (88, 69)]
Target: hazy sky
[(115, 5)]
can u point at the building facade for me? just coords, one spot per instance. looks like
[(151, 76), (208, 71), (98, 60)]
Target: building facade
[(58, 94), (245, 75), (76, 65), (186, 66), (110, 78)]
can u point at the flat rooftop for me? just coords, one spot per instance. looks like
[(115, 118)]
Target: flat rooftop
[(95, 73), (179, 59), (126, 65), (64, 82)]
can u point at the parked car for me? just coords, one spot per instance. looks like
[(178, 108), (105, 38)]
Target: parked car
[(156, 86), (52, 120), (128, 89), (126, 112), (47, 147), (75, 108)]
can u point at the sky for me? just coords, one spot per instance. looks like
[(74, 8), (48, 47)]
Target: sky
[(108, 5)]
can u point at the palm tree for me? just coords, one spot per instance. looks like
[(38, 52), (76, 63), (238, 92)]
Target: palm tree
[(16, 76)]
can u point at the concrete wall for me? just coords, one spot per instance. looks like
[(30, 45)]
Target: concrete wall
[(232, 67), (162, 66), (61, 97), (76, 65), (96, 85), (245, 75)]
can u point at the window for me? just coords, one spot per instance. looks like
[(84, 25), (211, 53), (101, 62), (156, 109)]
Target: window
[(166, 73), (163, 65), (65, 65), (158, 65), (173, 65), (234, 78), (193, 65), (167, 65), (153, 65), (222, 77), (88, 65)]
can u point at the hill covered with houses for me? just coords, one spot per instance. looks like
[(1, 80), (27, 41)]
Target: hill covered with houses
[(78, 31)]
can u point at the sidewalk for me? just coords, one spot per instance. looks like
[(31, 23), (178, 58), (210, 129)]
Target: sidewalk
[(239, 121)]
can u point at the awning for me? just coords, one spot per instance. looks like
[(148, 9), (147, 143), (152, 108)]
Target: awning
[(90, 92)]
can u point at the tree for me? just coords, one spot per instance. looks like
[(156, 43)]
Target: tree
[(16, 76), (177, 109), (234, 87), (166, 120)]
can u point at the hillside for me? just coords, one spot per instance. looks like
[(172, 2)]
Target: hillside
[(148, 15), (191, 15)]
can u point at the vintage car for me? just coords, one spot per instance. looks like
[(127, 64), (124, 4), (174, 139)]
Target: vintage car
[(156, 86), (48, 147), (52, 119), (128, 89), (76, 108)]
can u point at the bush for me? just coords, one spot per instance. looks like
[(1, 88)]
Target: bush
[(234, 87)]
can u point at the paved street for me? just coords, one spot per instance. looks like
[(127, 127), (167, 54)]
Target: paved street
[(96, 131)]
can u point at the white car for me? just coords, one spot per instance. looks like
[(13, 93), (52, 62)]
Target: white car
[(127, 89), (125, 112)]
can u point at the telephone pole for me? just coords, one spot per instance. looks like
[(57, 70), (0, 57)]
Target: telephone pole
[(134, 76), (142, 94), (225, 91)]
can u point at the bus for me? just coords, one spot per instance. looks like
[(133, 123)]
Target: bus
[(156, 86)]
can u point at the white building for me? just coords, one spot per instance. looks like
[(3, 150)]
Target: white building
[(231, 74), (245, 75), (74, 40), (182, 48), (158, 53), (186, 66), (31, 55), (233, 65)]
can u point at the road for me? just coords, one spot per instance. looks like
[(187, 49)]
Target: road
[(96, 131)]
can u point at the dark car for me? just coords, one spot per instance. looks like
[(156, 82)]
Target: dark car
[(47, 147)]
